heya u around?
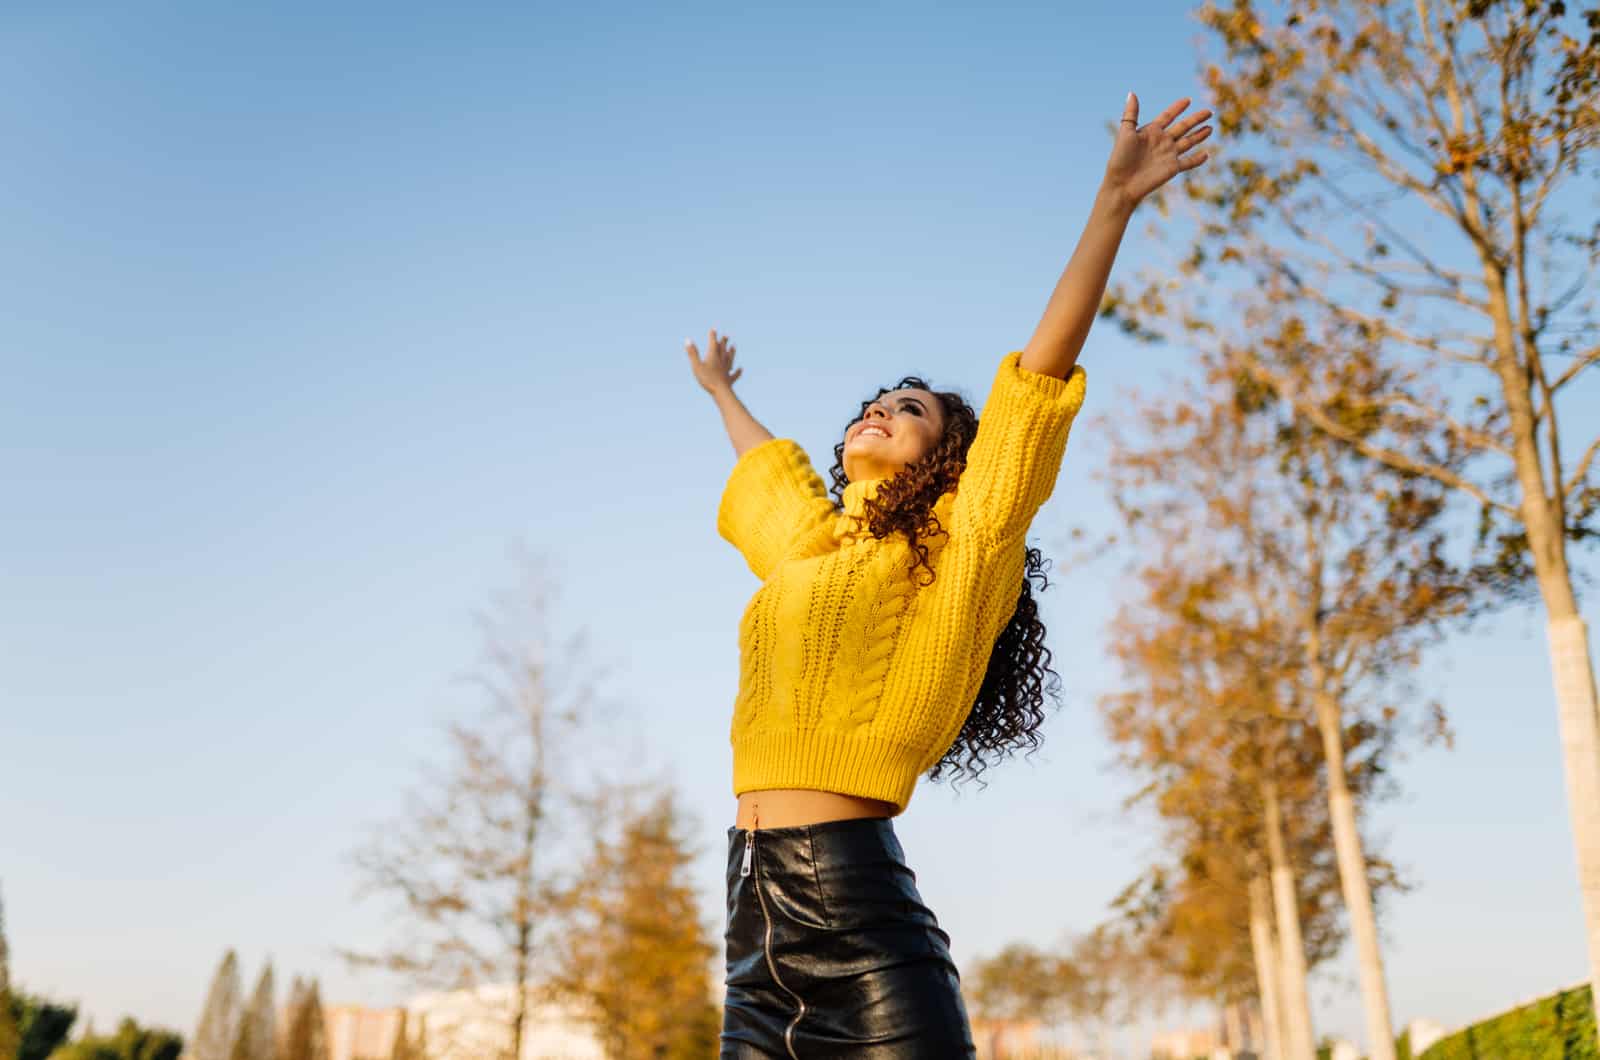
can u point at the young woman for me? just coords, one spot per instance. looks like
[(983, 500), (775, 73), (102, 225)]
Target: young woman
[(894, 635)]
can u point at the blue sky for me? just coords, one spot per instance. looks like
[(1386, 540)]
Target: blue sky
[(308, 316)]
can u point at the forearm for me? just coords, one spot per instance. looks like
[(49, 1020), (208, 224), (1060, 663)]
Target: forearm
[(1075, 303), (744, 431)]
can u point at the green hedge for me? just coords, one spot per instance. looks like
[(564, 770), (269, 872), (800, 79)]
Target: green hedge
[(1559, 1027)]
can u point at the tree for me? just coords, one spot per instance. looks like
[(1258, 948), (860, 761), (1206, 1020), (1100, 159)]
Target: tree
[(305, 1033), (1207, 715), (130, 1042), (1356, 564), (214, 1034), (1024, 982), (636, 956), (405, 1046), (473, 864), (1108, 981), (1400, 209), (257, 1036), (10, 1036), (42, 1025)]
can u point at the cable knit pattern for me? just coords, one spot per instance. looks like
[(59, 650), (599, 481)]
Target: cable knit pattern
[(854, 678)]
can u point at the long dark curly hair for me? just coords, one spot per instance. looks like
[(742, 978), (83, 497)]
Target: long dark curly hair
[(1009, 709)]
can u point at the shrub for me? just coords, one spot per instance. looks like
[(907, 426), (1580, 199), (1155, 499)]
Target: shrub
[(1558, 1027)]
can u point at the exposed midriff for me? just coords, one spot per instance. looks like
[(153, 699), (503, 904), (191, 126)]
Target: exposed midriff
[(786, 807)]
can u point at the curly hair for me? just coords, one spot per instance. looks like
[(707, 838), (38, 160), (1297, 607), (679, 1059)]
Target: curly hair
[(1009, 709)]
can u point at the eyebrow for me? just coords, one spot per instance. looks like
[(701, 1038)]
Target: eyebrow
[(919, 402)]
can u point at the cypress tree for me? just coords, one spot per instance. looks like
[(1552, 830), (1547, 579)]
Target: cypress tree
[(306, 1037), (219, 1020), (256, 1037)]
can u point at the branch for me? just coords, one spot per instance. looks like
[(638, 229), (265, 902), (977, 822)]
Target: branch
[(1582, 471), (1468, 434), (1323, 422), (1585, 359), (1426, 344), (1452, 291)]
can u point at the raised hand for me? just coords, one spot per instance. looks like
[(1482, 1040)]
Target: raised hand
[(1145, 157), (713, 372)]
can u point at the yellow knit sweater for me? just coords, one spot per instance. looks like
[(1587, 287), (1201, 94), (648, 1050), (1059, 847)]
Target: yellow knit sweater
[(854, 678)]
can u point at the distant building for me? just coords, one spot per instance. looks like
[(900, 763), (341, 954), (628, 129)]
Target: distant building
[(471, 1025), (358, 1033), (459, 1025), (1001, 1039), (1184, 1044)]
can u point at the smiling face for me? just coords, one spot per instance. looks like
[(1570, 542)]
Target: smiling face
[(897, 429)]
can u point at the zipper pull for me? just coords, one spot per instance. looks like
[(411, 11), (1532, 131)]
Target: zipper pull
[(749, 837)]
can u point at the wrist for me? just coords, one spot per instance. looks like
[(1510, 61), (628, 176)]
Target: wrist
[(1114, 201)]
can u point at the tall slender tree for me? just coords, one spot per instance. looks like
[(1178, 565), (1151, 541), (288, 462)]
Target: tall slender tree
[(1207, 714), (257, 1035), (218, 1025), (305, 1033), (473, 865), (1356, 564), (1402, 204)]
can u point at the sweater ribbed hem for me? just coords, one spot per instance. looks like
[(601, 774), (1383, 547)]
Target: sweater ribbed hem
[(848, 763)]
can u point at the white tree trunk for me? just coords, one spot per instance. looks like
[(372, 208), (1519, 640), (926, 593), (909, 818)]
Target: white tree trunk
[(1264, 947), (1353, 882), (1580, 747), (1299, 1040)]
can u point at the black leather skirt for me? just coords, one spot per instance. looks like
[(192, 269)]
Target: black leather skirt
[(831, 951)]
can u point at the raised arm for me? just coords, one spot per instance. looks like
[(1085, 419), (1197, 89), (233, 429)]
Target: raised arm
[(1142, 159), (773, 495), (713, 373)]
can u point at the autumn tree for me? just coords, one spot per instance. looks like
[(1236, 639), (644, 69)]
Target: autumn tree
[(408, 1045), (1208, 716), (1023, 982), (1354, 562), (218, 1025), (305, 1032), (1400, 242), (471, 866), (636, 956), (257, 1034)]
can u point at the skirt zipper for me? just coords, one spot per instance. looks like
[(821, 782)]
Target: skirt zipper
[(766, 947)]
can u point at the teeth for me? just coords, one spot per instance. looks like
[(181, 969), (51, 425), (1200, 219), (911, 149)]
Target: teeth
[(874, 430)]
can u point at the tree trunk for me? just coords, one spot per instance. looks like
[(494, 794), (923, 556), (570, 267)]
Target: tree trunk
[(1580, 746), (1300, 1043), (1232, 1027), (1353, 878), (1258, 1034), (1265, 950), (1543, 511)]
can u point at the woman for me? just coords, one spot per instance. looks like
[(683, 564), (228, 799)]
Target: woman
[(893, 635)]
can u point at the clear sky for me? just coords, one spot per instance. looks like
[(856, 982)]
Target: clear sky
[(306, 316)]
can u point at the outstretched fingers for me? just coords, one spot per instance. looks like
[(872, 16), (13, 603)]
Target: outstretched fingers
[(1166, 117), (1193, 138), (1179, 129)]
